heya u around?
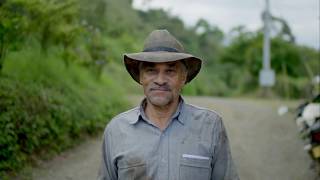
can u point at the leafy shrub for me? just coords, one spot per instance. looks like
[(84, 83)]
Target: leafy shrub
[(46, 107)]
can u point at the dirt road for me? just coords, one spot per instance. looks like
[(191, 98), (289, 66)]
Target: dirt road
[(264, 145)]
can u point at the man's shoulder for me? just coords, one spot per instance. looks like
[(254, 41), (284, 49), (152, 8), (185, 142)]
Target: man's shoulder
[(127, 114), (203, 112), (124, 117)]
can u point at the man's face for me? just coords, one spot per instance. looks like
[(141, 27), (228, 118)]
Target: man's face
[(162, 82)]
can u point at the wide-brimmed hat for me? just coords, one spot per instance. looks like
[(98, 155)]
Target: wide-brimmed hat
[(161, 46)]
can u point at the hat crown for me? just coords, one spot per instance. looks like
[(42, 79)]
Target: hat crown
[(162, 40)]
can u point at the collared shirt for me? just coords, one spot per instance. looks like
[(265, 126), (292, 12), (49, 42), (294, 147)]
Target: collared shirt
[(194, 146)]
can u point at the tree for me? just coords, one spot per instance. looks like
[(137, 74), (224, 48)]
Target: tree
[(52, 22), (209, 41), (242, 60)]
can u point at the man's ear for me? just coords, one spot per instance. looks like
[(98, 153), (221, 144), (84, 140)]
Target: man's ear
[(140, 79), (185, 69), (185, 75)]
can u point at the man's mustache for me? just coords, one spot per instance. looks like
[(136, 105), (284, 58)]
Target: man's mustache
[(160, 88)]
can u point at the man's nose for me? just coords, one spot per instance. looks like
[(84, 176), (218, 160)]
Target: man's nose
[(160, 79)]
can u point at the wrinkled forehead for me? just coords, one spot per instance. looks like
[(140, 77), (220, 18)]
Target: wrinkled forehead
[(172, 64)]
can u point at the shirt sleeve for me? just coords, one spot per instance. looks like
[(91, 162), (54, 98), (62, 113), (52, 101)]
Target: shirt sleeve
[(223, 165), (108, 170)]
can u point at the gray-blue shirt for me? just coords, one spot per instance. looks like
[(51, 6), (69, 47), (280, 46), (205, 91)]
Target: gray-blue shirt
[(194, 146)]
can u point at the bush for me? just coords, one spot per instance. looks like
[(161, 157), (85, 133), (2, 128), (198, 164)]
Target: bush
[(46, 107)]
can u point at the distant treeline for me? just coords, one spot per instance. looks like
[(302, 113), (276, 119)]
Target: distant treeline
[(62, 75), (95, 34)]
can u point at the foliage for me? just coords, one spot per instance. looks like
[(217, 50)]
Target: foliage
[(45, 106), (51, 22), (292, 64)]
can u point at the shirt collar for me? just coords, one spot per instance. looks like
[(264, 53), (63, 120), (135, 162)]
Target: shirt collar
[(141, 114)]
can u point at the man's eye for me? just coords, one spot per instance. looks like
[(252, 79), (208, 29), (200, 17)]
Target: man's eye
[(150, 70), (170, 70)]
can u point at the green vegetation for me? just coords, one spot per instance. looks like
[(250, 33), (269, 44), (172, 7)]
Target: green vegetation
[(53, 91), (46, 106), (62, 77)]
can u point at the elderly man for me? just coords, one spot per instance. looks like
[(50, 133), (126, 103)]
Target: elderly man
[(165, 138)]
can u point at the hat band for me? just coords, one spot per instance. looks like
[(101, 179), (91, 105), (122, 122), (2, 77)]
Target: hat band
[(160, 48)]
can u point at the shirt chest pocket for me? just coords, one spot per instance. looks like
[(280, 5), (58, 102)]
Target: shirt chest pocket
[(195, 168), (132, 171)]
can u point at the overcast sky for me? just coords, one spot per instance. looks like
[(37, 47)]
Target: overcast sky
[(303, 16)]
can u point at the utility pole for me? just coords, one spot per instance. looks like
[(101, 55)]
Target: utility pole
[(266, 75), (266, 42)]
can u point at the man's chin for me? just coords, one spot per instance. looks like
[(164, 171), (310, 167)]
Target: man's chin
[(159, 101)]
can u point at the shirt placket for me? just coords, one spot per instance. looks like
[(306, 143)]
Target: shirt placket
[(164, 155)]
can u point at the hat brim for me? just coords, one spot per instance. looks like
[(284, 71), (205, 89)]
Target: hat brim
[(132, 61)]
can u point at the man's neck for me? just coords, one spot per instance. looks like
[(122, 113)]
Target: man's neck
[(161, 115)]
